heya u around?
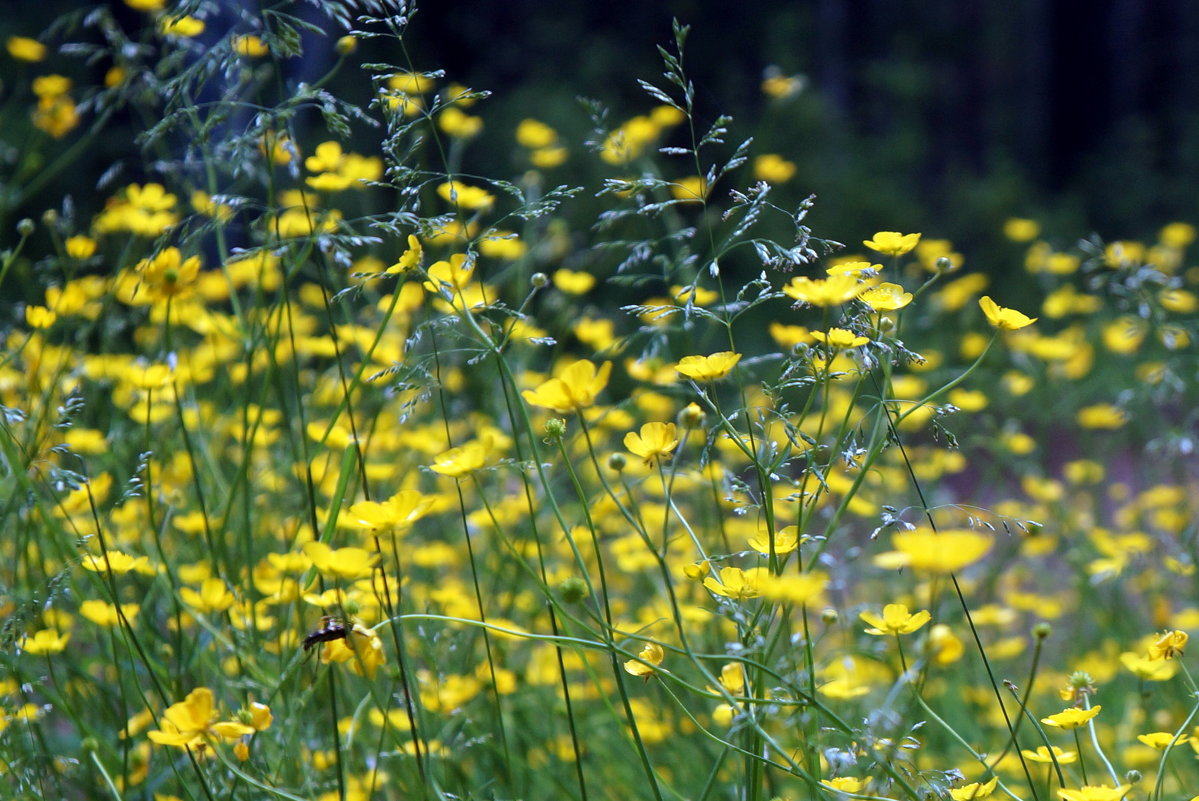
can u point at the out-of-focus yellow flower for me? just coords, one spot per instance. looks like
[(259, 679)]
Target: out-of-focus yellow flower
[(250, 45), (573, 282), (1099, 792), (457, 123), (45, 642), (1020, 229), (928, 551), (467, 197), (773, 169), (186, 26), (693, 188), (573, 389), (831, 291), (22, 48), (895, 620), (1101, 416), (1046, 756), (344, 563)]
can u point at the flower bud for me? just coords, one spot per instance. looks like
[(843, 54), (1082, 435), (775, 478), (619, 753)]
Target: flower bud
[(573, 589), (25, 227), (346, 45), (829, 616), (555, 429), (1133, 777), (691, 416), (539, 280), (617, 462), (1042, 630)]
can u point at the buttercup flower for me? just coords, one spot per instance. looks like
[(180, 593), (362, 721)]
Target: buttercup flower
[(892, 243), (925, 550), (831, 291), (654, 443), (1094, 793), (652, 653), (1072, 717), (1003, 318), (575, 388), (1169, 645), (895, 620), (708, 368)]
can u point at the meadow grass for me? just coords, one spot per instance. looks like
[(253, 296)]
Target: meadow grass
[(340, 471)]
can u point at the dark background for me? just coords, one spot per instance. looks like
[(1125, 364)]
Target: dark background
[(943, 116), (937, 113)]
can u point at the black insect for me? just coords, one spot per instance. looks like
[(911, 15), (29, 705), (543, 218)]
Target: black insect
[(331, 629)]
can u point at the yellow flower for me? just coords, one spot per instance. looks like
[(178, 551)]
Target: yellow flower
[(1101, 415), (471, 198), (39, 317), (1046, 756), (654, 443), (804, 588), (1168, 645), (925, 550), (533, 134), (185, 26), (839, 338), (573, 282), (652, 653), (693, 188), (22, 48), (457, 123), (192, 721), (1161, 739), (213, 596), (362, 648), (847, 784), (786, 540), (398, 512), (895, 620), (892, 243), (409, 259), (886, 297), (116, 561), (708, 368), (250, 46), (80, 247), (1019, 229), (458, 462), (773, 169), (46, 641), (975, 790), (345, 563), (736, 583), (1072, 717), (575, 388), (831, 291), (1003, 318), (1094, 793)]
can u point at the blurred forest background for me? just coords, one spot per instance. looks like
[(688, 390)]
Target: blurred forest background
[(941, 116)]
